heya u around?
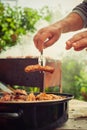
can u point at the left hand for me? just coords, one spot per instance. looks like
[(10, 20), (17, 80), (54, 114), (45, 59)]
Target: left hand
[(78, 41)]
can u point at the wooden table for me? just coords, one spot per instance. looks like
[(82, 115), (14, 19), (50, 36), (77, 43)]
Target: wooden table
[(77, 116)]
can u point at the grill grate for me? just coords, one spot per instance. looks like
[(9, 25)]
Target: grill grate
[(12, 73)]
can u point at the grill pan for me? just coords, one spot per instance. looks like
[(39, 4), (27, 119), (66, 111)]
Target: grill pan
[(39, 115)]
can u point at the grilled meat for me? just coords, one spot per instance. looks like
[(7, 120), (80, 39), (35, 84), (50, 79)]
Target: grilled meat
[(21, 95), (37, 67)]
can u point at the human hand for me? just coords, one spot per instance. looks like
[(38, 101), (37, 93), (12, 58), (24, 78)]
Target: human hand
[(78, 41), (46, 37)]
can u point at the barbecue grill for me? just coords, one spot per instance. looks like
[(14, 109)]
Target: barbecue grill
[(46, 115)]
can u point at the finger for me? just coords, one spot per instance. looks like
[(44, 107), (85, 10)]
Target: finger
[(80, 44), (77, 41), (40, 45), (74, 39), (40, 39), (70, 42), (35, 39), (68, 45), (77, 37), (50, 42), (79, 49)]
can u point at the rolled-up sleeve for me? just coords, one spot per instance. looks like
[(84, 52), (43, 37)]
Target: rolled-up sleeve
[(81, 9)]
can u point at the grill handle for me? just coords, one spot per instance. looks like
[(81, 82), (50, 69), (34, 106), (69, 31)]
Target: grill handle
[(11, 115)]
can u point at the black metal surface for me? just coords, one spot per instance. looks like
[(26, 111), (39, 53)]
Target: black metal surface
[(12, 72), (34, 116)]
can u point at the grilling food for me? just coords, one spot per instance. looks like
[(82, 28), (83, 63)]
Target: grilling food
[(38, 67), (21, 95), (44, 96)]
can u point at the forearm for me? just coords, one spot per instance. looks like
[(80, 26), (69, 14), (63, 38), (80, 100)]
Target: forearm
[(72, 22)]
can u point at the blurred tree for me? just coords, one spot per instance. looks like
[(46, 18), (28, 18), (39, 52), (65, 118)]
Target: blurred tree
[(73, 77)]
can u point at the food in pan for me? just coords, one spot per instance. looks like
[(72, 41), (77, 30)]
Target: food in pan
[(37, 67), (22, 95), (44, 96)]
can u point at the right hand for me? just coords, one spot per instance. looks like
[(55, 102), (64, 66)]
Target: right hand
[(78, 41), (46, 37)]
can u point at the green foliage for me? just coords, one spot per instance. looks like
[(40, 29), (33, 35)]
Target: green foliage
[(82, 81), (29, 18), (84, 90), (52, 89), (27, 89), (74, 76), (36, 89), (15, 22)]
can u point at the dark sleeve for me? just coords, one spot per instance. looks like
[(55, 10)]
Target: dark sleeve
[(81, 9)]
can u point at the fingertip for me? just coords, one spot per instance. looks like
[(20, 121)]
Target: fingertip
[(68, 43), (67, 48), (74, 44)]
